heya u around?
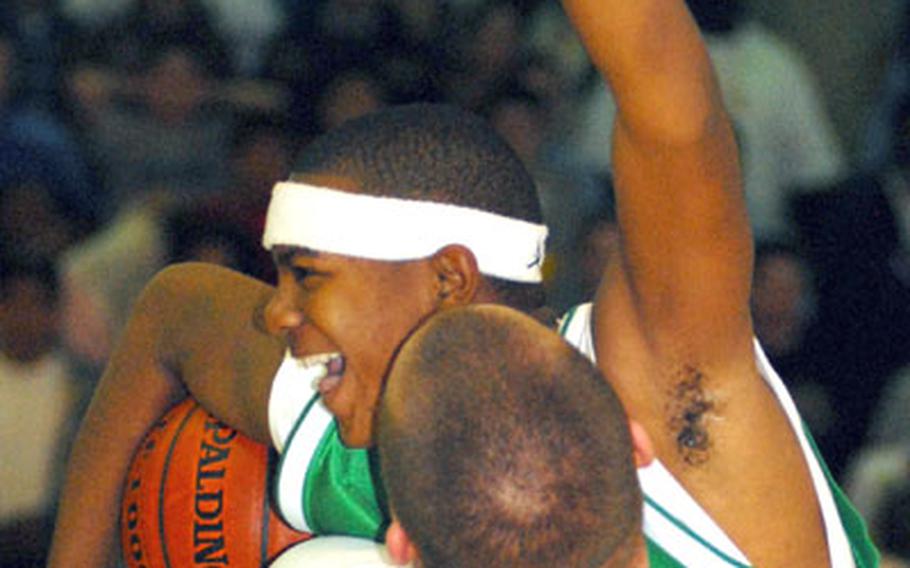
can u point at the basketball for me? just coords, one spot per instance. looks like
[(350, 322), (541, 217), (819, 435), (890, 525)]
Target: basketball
[(197, 494)]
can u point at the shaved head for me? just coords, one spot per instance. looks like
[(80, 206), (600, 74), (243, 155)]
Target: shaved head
[(501, 445)]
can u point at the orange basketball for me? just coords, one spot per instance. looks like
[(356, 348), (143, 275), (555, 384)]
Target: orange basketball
[(197, 494)]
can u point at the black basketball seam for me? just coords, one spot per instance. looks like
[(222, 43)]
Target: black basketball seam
[(161, 490), (264, 539)]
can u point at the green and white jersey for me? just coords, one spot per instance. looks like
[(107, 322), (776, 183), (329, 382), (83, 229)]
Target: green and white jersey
[(325, 488)]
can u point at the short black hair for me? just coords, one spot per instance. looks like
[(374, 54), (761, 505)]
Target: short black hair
[(432, 152), (501, 445)]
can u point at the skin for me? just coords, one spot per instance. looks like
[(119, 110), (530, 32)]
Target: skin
[(320, 307), (672, 324)]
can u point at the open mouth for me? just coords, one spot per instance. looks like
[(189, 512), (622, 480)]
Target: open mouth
[(327, 370)]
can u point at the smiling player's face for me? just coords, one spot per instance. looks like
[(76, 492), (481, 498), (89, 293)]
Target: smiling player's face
[(355, 313)]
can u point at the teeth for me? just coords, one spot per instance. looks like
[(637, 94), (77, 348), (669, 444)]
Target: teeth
[(317, 359), (317, 367)]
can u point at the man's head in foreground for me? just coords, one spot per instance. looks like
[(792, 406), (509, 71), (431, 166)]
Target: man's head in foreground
[(385, 221), (501, 445)]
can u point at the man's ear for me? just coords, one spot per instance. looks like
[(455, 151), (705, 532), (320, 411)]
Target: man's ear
[(457, 276), (398, 544), (642, 447)]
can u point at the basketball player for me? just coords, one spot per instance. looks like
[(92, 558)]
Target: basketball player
[(357, 273), (485, 402)]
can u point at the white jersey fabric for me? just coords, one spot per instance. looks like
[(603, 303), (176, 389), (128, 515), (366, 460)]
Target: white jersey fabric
[(334, 552), (672, 518)]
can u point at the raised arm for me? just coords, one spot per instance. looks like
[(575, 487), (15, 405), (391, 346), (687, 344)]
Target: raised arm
[(686, 247), (671, 321), (195, 328)]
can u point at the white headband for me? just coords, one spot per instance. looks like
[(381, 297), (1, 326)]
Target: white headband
[(386, 228)]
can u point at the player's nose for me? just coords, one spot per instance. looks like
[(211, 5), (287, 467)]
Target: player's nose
[(282, 313)]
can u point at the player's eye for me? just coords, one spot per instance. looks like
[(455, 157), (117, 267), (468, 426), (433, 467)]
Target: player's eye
[(300, 273), (306, 277)]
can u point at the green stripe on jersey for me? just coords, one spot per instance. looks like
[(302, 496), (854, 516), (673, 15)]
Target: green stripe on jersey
[(865, 555), (682, 526)]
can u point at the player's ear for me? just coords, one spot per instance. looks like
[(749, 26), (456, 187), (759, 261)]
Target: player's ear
[(401, 550), (642, 447), (457, 276)]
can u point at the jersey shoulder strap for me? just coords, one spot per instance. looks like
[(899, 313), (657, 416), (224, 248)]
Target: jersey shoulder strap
[(865, 555)]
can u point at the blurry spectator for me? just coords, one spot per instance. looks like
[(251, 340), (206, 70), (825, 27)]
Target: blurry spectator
[(890, 423), (423, 23), (157, 131), (349, 94), (104, 274), (491, 50), (878, 483), (599, 241), (523, 121), (895, 536), (881, 137), (786, 139), (195, 237), (580, 211), (123, 44), (33, 221), (248, 28), (261, 154), (878, 480), (851, 237), (325, 37), (35, 145), (231, 38), (39, 403), (94, 14), (415, 65), (860, 235), (552, 37), (782, 299), (44, 40), (896, 186), (784, 317)]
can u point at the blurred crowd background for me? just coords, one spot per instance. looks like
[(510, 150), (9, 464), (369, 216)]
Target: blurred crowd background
[(137, 133)]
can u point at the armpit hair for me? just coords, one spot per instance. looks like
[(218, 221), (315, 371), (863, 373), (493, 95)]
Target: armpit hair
[(688, 407)]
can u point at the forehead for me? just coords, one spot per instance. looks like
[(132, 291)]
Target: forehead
[(367, 271), (284, 255)]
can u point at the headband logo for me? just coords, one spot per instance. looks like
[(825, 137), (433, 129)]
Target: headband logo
[(538, 256)]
